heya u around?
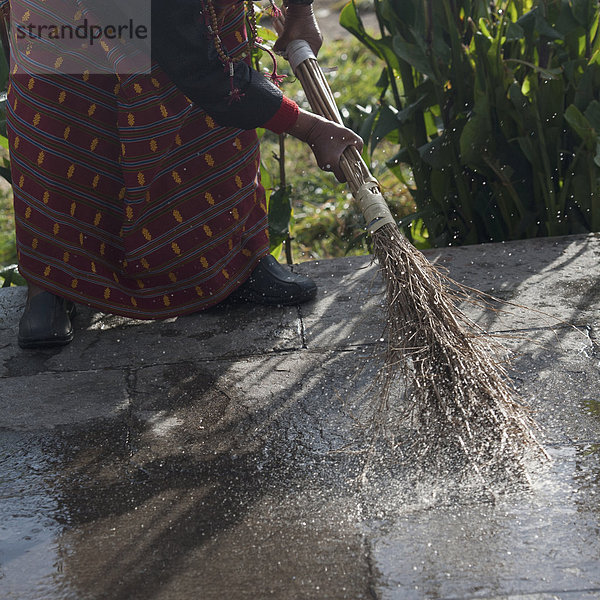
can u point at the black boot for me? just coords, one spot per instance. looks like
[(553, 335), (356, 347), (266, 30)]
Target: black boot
[(46, 321), (272, 283)]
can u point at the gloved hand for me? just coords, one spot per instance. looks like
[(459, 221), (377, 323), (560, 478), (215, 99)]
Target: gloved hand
[(327, 140), (297, 22)]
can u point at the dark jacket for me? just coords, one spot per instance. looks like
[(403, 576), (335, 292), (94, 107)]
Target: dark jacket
[(183, 47)]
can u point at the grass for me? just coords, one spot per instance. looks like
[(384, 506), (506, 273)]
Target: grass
[(8, 252)]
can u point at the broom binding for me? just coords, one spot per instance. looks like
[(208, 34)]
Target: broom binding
[(373, 206)]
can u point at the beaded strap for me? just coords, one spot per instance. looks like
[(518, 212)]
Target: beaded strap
[(254, 41)]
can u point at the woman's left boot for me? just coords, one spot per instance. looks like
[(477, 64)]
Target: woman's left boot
[(46, 321), (272, 283)]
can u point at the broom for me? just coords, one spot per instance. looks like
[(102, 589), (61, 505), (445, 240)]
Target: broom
[(464, 410)]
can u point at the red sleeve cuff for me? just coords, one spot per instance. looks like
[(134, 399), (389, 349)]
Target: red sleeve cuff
[(285, 118)]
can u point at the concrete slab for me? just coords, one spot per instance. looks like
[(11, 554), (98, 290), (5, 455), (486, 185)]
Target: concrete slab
[(49, 400), (104, 341), (540, 544), (219, 455)]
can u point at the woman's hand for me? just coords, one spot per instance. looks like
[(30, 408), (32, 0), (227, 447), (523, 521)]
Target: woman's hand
[(327, 140), (297, 22)]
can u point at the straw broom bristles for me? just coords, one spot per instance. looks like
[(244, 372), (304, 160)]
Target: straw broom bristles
[(466, 412)]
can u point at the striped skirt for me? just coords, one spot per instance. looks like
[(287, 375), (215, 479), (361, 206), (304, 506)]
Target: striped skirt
[(129, 198)]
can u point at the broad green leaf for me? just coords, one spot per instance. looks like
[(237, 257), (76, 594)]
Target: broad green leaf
[(527, 23), (414, 56), (350, 20), (397, 164), (527, 149), (267, 34), (475, 135), (437, 153), (366, 130), (266, 179), (440, 48), (11, 276), (543, 28), (592, 114), (440, 187), (5, 172), (581, 126), (276, 250), (280, 213), (419, 233), (584, 11), (408, 112), (514, 32), (566, 23), (387, 123), (405, 10), (550, 100)]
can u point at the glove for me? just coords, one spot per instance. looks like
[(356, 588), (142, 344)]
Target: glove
[(327, 140), (297, 23)]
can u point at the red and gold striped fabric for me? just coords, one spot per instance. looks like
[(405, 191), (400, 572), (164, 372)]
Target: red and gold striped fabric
[(129, 198)]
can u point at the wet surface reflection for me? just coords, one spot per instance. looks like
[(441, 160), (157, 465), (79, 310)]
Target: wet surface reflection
[(31, 520), (93, 513), (540, 540), (90, 514)]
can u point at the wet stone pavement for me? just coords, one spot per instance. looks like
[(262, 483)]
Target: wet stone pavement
[(217, 455)]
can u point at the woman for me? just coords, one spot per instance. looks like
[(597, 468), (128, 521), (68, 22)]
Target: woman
[(137, 192)]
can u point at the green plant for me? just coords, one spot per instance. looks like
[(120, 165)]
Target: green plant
[(495, 107), (10, 276)]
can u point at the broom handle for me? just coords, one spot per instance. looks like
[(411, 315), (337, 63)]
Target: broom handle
[(363, 185), (322, 102)]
